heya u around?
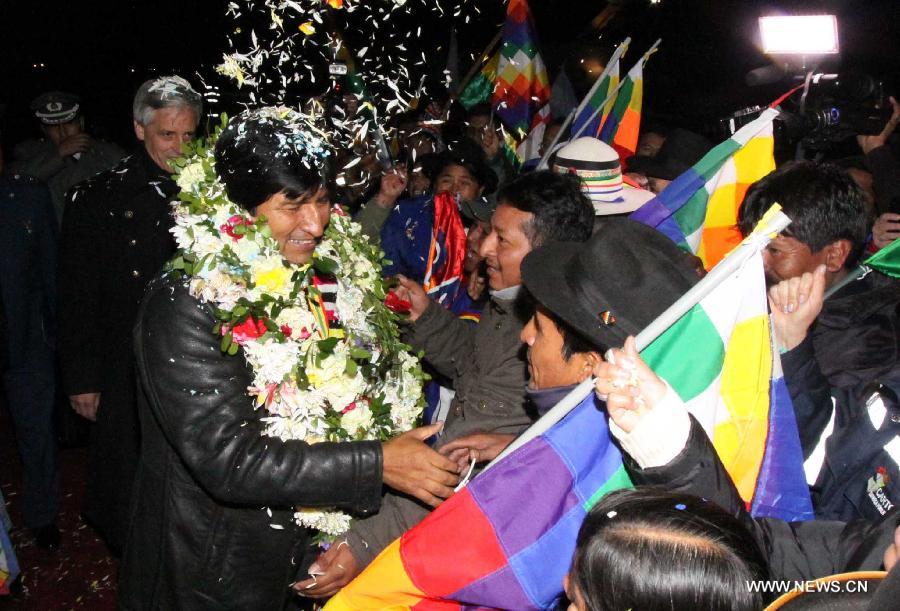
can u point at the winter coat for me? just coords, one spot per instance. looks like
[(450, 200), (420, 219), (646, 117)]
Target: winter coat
[(211, 524), (850, 439), (40, 159), (114, 239), (857, 334), (794, 550)]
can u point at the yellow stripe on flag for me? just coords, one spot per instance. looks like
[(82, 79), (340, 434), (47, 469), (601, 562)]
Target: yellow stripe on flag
[(386, 575), (746, 374)]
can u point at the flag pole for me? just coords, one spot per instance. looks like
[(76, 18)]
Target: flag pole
[(773, 222), (617, 54), (477, 65), (615, 92)]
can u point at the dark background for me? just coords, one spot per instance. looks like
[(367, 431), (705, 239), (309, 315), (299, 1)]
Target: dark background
[(103, 49)]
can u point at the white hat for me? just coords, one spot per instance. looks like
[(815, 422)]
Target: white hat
[(597, 165)]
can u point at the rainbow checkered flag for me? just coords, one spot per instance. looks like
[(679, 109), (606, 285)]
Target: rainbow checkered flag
[(698, 210), (522, 86), (506, 540)]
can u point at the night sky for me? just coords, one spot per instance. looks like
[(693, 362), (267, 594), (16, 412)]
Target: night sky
[(104, 49)]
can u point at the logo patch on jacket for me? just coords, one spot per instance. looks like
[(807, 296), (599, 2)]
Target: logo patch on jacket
[(875, 488)]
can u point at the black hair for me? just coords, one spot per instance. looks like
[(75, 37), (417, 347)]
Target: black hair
[(652, 550), (561, 211), (260, 156), (573, 341), (822, 201)]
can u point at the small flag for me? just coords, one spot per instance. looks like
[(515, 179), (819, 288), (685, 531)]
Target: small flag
[(588, 121), (481, 86), (446, 253), (623, 123), (886, 260)]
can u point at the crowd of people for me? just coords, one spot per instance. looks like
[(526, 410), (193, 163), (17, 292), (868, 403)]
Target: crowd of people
[(552, 280)]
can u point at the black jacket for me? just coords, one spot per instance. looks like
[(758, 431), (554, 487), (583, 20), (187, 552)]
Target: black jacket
[(857, 334), (114, 239), (211, 523), (858, 478), (794, 550)]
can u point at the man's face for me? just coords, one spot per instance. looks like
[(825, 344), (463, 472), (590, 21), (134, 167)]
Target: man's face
[(546, 366), (505, 246), (457, 179), (58, 133), (297, 224), (474, 238), (166, 131), (787, 257), (649, 144), (476, 126)]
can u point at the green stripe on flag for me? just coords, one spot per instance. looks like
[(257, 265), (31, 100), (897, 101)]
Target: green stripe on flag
[(477, 91), (617, 481), (886, 260), (670, 355)]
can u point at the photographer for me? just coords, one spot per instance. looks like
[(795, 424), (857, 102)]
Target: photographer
[(886, 180)]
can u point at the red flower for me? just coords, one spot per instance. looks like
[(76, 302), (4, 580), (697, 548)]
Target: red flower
[(339, 210), (394, 303), (349, 408), (286, 330), (235, 221), (247, 330)]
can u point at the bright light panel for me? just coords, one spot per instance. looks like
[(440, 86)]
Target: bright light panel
[(799, 35)]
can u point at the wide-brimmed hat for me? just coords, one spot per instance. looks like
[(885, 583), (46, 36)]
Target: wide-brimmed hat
[(611, 286), (681, 150), (598, 166)]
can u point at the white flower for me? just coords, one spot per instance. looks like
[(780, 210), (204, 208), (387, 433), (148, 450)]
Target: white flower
[(271, 360), (298, 319), (206, 242), (217, 288), (334, 523), (191, 176), (356, 420)]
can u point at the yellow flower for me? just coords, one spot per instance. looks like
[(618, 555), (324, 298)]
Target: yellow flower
[(272, 276), (307, 28)]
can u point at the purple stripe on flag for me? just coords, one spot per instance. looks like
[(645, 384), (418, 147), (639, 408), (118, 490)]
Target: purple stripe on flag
[(546, 497), (781, 489), (673, 197), (502, 588)]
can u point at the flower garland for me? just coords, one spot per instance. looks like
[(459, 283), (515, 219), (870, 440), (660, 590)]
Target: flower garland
[(321, 373)]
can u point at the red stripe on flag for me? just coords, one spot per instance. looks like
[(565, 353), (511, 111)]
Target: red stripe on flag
[(436, 562)]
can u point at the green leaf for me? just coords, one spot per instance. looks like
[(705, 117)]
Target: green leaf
[(325, 265), (360, 353), (350, 368), (232, 349), (327, 345), (226, 342)]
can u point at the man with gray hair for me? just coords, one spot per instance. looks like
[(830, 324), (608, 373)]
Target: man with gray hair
[(114, 239)]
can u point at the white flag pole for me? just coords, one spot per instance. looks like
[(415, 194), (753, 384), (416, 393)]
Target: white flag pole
[(772, 223), (617, 54)]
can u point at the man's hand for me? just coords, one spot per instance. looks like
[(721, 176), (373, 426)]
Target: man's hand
[(412, 291), (332, 570), (72, 145), (476, 286), (393, 183), (886, 229), (412, 467), (86, 404), (490, 142), (629, 387), (480, 447), (870, 143), (795, 303)]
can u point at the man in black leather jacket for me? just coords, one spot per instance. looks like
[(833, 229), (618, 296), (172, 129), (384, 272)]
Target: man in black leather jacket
[(211, 524)]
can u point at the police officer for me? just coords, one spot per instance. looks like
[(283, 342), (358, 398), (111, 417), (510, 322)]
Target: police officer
[(66, 154), (115, 238), (27, 317)]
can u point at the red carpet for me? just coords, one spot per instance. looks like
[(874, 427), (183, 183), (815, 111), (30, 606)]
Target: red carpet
[(80, 574)]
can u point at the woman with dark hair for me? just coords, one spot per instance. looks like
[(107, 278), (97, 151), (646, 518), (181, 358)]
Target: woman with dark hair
[(212, 522), (653, 550)]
